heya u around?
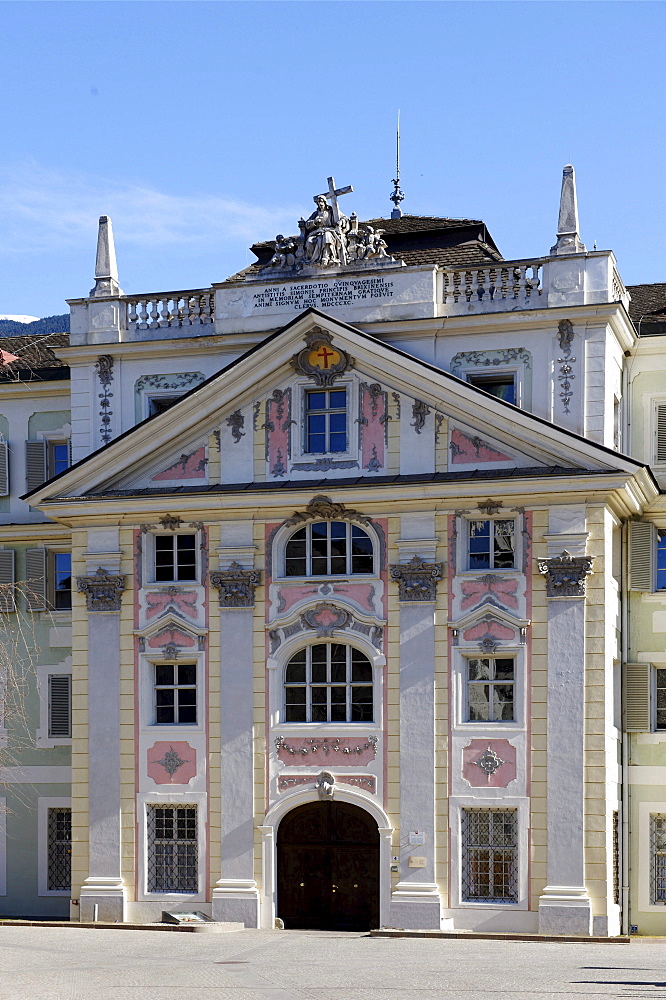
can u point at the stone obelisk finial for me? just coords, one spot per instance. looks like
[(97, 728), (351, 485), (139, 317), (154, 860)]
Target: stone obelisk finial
[(568, 240), (106, 269)]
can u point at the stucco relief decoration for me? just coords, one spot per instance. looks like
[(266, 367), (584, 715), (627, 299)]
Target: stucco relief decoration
[(278, 431), (490, 359), (103, 590), (373, 426), (236, 586), (236, 421), (172, 598), (326, 619), (367, 782), (170, 523), (417, 580), (330, 239), (320, 360), (170, 639), (171, 763), (466, 448), (565, 336), (489, 763), (490, 507), (566, 574), (190, 465), (322, 508), (325, 785), (104, 369), (489, 589), (345, 751), (420, 412)]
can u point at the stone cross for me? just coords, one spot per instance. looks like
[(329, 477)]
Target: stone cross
[(332, 196)]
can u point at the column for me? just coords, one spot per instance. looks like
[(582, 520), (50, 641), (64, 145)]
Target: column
[(565, 906), (236, 896), (415, 901), (103, 895)]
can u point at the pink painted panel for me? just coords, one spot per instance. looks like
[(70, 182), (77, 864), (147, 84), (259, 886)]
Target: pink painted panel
[(362, 593), (465, 449), (496, 630), (171, 635), (192, 466), (278, 429), (171, 763), (499, 758), (158, 603), (373, 427), (489, 587), (288, 595), (367, 782), (336, 751)]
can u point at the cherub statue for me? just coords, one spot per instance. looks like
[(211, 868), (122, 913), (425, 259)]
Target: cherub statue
[(285, 252), (373, 245)]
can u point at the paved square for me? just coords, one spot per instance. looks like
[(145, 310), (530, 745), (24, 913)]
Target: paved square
[(86, 964)]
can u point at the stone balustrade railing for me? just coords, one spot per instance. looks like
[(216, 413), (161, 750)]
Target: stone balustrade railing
[(170, 309), (506, 285)]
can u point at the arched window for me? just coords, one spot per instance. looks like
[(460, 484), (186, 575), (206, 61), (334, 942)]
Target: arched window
[(328, 682), (329, 548)]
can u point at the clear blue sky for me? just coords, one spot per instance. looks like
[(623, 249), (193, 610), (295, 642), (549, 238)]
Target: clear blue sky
[(203, 126)]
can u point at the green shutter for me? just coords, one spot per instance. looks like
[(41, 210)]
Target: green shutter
[(60, 706), (7, 592), (35, 464), (35, 579), (637, 682), (641, 555)]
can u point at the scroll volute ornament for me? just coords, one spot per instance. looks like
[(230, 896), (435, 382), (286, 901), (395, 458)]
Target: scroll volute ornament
[(322, 508), (417, 580), (566, 574), (103, 590)]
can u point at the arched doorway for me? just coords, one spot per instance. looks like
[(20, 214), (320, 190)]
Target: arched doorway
[(328, 868)]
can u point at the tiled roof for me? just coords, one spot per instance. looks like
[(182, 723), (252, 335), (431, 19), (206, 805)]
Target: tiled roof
[(648, 308), (416, 239), (35, 355)]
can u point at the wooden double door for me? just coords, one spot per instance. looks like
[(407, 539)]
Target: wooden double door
[(328, 868)]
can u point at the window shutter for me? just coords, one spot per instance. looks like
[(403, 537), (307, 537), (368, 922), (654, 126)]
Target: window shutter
[(661, 433), (35, 574), (60, 705), (7, 596), (4, 469), (35, 464), (641, 555), (637, 677)]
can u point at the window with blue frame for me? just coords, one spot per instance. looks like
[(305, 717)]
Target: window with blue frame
[(661, 559), (326, 421)]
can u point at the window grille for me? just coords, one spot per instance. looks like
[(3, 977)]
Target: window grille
[(491, 544), (489, 855), (175, 557), (172, 849), (326, 421), (329, 548), (658, 858), (329, 682), (616, 858), (59, 849), (490, 683)]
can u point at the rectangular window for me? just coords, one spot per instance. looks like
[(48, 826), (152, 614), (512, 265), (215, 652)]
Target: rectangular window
[(60, 583), (175, 557), (661, 559), (491, 544), (60, 706), (489, 855), (59, 867), (658, 858), (57, 457), (175, 694), (172, 849), (490, 694), (660, 698), (326, 421), (501, 386)]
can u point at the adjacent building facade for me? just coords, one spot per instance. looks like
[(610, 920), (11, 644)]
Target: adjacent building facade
[(366, 618)]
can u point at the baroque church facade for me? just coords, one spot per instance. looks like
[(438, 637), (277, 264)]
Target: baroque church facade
[(350, 600)]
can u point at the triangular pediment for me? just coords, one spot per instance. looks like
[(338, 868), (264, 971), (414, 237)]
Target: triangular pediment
[(249, 424)]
